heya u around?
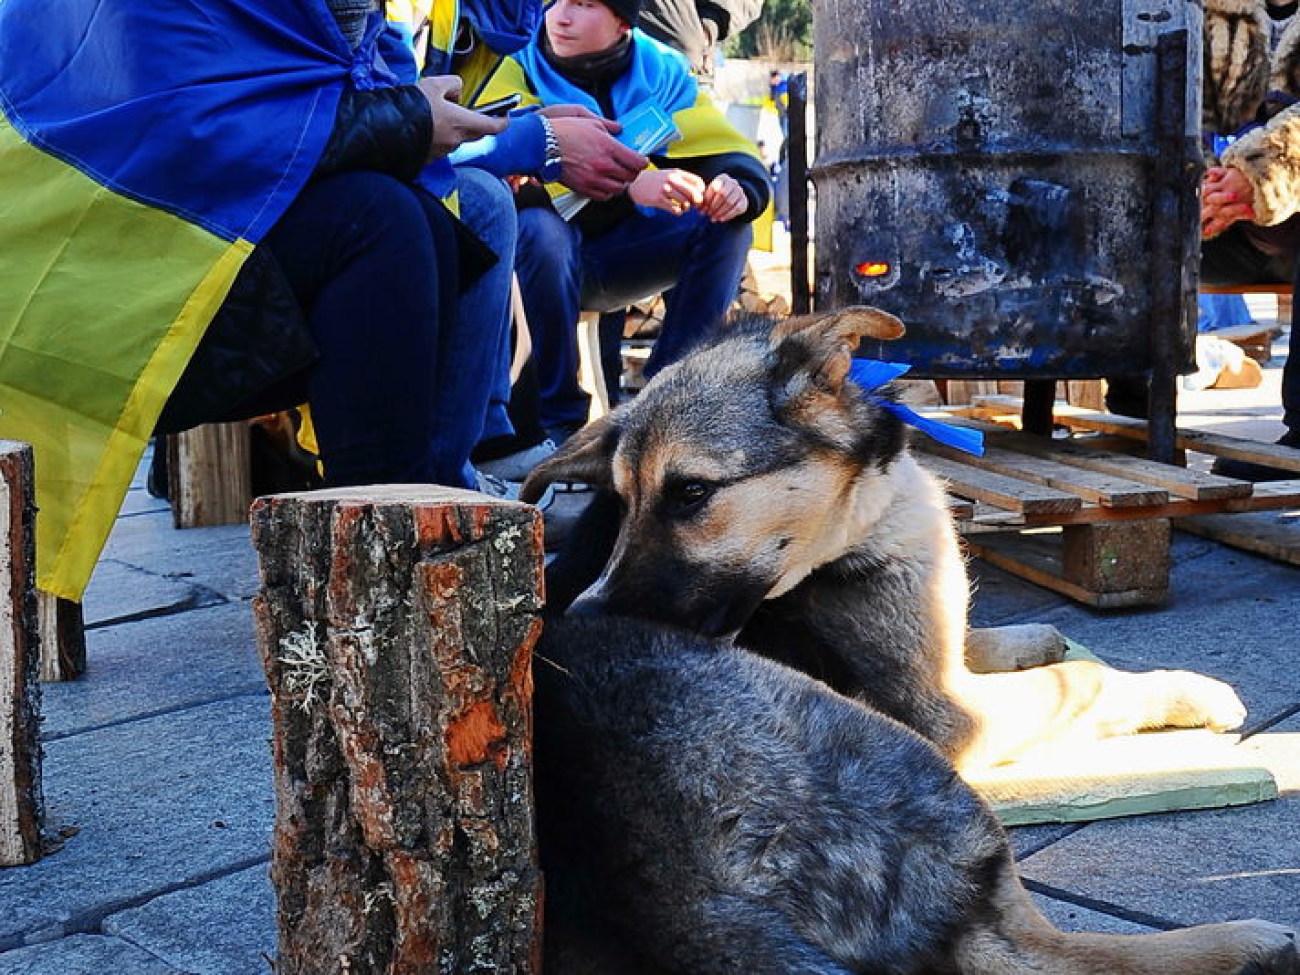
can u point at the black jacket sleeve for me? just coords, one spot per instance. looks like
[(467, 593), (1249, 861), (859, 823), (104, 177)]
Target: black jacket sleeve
[(387, 130), (744, 169)]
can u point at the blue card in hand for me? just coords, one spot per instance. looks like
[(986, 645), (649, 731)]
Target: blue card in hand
[(648, 129)]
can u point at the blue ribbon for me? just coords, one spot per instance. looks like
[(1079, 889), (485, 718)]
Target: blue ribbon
[(871, 374)]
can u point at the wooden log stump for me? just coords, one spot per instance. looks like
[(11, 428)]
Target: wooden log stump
[(63, 637), (21, 804), (396, 626), (208, 475)]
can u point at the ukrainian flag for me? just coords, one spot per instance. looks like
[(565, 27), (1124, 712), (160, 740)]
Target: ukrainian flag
[(146, 146)]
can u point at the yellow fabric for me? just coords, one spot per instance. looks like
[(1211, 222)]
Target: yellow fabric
[(508, 80), (102, 302)]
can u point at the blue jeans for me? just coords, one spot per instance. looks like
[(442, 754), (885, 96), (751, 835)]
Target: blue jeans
[(562, 273), (487, 207), (400, 391)]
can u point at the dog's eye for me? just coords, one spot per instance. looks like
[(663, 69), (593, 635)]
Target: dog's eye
[(687, 497)]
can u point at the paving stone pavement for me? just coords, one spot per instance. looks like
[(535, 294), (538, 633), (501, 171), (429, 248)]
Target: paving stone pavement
[(157, 769)]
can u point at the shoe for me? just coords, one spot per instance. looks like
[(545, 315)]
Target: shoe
[(503, 490), (570, 501), (1244, 470), (517, 466)]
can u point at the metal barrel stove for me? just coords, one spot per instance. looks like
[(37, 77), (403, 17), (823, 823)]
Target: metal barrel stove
[(1017, 182)]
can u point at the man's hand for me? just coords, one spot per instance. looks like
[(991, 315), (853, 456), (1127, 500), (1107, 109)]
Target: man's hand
[(724, 199), (674, 190), (594, 163), (1226, 197), (453, 124)]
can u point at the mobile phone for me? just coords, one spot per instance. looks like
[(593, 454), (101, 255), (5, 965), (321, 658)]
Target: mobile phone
[(501, 106)]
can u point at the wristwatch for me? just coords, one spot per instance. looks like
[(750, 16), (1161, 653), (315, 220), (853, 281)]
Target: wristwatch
[(554, 163)]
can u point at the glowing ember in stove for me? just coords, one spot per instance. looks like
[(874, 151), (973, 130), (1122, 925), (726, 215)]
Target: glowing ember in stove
[(872, 269)]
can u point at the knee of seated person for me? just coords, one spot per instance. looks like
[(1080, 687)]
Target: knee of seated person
[(543, 234), (370, 198)]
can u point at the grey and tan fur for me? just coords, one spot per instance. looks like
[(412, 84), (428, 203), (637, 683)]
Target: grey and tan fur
[(705, 809)]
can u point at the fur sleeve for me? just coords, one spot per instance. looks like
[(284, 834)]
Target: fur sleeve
[(1236, 64), (1270, 159)]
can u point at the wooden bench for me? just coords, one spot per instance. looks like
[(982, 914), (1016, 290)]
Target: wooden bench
[(1086, 519)]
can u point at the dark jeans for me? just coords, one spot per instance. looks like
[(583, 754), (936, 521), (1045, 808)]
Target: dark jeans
[(1246, 254), (561, 273), (400, 390)]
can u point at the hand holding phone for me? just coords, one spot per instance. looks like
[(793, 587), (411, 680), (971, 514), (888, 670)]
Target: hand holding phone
[(500, 106)]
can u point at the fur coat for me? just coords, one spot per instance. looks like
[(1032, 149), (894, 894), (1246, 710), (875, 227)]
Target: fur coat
[(1242, 68)]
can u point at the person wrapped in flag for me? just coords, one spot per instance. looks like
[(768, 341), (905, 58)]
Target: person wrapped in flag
[(684, 224), (214, 209)]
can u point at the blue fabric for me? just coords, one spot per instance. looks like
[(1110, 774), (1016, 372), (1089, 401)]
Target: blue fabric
[(657, 74), (520, 149), (487, 207), (871, 374), (1221, 311), (217, 112), (561, 273), (505, 26)]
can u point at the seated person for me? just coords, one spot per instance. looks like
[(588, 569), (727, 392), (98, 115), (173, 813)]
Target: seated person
[(257, 179), (682, 225)]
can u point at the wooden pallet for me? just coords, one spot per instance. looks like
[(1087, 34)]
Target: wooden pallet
[(1084, 518)]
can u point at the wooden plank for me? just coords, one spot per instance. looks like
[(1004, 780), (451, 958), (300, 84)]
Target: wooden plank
[(1244, 289), (1037, 558), (1200, 441), (21, 802), (1272, 534), (1177, 481), (1127, 776), (1005, 492), (1048, 471)]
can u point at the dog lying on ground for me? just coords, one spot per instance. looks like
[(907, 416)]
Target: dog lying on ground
[(706, 810), (753, 491)]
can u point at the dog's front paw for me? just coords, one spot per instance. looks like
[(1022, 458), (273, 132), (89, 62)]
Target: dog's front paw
[(1270, 947), (1197, 701)]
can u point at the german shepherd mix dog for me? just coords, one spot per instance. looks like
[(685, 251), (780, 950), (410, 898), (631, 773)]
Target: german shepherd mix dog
[(705, 807)]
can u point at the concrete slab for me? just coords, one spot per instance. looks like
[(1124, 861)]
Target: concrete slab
[(157, 665), (1184, 868), (1072, 917), (83, 954), (222, 927), (139, 501), (119, 591), (155, 804), (220, 558), (999, 598)]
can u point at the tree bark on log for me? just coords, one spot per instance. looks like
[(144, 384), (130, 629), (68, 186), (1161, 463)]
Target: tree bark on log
[(396, 626), (208, 474), (21, 801), (63, 637)]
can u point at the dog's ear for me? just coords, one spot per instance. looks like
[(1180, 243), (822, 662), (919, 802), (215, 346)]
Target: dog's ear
[(585, 457), (811, 354)]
